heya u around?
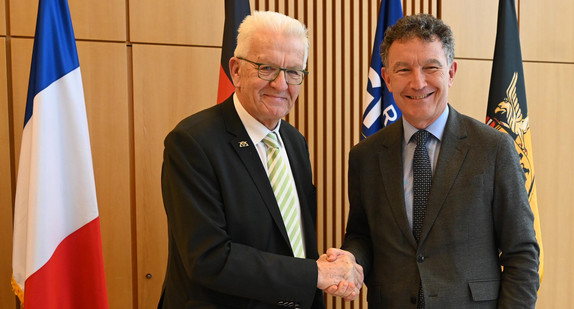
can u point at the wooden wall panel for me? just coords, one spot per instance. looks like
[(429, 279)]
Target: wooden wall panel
[(22, 17), (2, 17), (548, 87), (104, 68), (177, 21), (469, 93), (21, 56), (474, 26), (7, 299), (100, 20), (547, 30), (164, 93)]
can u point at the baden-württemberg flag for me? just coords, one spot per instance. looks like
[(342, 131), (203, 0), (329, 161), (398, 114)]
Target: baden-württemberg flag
[(57, 252), (379, 107), (507, 110)]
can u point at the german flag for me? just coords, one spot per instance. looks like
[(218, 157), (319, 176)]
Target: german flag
[(235, 12)]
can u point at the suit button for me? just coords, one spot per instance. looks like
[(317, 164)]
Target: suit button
[(413, 300), (420, 258)]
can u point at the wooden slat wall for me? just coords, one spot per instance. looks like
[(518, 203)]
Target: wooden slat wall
[(147, 64)]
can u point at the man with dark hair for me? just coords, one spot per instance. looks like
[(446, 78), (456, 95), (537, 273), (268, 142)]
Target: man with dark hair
[(439, 215)]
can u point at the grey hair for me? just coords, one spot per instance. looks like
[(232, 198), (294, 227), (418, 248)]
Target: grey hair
[(273, 22), (423, 26)]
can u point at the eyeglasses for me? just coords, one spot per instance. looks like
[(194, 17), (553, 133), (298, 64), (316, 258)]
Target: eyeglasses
[(270, 72)]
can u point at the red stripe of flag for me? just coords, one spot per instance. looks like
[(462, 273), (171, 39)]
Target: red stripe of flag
[(76, 266)]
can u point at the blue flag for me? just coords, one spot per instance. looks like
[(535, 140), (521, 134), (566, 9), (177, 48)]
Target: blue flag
[(380, 108)]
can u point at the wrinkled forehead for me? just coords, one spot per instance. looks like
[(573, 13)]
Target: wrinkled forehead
[(269, 44)]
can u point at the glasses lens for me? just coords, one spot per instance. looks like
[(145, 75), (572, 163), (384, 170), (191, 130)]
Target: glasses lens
[(268, 72), (293, 77)]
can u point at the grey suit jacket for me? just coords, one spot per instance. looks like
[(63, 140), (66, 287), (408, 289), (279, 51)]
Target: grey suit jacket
[(228, 247), (478, 207)]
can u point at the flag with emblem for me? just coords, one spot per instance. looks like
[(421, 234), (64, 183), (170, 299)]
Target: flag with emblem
[(507, 110), (57, 252), (235, 12), (379, 107)]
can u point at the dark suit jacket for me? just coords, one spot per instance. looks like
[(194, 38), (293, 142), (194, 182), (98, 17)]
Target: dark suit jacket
[(477, 206), (228, 247)]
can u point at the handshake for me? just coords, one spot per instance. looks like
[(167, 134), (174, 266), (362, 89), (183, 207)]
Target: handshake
[(339, 274)]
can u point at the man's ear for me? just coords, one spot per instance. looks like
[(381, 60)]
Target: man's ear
[(234, 71), (452, 73)]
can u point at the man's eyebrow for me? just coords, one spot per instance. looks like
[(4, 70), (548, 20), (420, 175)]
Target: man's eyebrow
[(399, 64), (434, 61)]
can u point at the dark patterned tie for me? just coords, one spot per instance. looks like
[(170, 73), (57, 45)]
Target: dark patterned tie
[(422, 178)]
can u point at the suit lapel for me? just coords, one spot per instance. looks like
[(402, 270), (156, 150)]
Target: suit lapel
[(245, 149), (294, 161), (391, 165), (452, 153)]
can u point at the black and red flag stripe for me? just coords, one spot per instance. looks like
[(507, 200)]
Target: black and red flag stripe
[(235, 12)]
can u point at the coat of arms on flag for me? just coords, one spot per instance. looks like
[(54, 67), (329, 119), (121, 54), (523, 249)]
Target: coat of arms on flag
[(507, 110)]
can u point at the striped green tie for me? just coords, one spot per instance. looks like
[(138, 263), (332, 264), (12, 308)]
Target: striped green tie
[(284, 189)]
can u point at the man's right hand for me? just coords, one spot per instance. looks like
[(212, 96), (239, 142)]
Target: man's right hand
[(339, 274)]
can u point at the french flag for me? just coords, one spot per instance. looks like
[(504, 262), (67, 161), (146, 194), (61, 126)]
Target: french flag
[(57, 254)]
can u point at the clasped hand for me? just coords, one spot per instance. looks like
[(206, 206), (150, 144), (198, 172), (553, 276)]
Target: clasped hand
[(339, 274)]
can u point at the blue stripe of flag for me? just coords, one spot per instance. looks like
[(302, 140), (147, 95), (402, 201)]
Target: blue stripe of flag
[(54, 54), (389, 12)]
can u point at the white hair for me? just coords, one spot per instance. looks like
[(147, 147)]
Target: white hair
[(273, 22)]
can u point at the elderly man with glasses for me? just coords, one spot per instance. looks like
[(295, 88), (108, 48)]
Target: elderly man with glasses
[(238, 189)]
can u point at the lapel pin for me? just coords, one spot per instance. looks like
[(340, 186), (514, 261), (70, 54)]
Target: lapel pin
[(243, 144)]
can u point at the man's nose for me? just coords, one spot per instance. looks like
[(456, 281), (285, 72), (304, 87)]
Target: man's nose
[(280, 81), (418, 80)]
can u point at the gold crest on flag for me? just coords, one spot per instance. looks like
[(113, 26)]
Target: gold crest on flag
[(509, 119)]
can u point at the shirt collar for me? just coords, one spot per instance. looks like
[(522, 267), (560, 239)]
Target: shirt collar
[(436, 128), (255, 129)]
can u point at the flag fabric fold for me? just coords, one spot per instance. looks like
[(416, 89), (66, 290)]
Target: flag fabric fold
[(235, 12), (379, 108), (507, 110), (57, 252)]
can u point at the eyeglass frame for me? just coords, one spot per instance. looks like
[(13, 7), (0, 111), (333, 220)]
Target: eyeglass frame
[(274, 66)]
